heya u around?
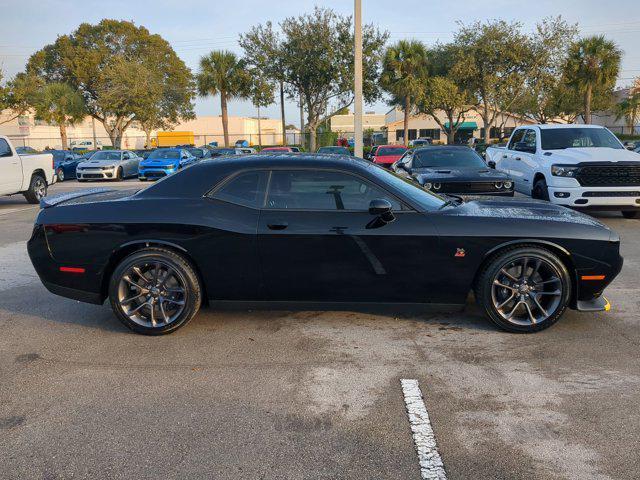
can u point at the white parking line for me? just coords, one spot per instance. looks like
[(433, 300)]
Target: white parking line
[(431, 466)]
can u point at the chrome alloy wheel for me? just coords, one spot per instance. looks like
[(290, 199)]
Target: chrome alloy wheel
[(152, 294), (39, 188), (527, 290)]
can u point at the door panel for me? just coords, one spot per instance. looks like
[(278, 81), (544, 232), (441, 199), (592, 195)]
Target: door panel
[(11, 168), (337, 256)]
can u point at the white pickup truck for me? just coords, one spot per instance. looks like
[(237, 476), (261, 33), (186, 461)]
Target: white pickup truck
[(579, 166), (29, 175)]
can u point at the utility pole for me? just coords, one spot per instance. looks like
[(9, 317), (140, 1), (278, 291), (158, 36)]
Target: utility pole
[(357, 118), (93, 126)]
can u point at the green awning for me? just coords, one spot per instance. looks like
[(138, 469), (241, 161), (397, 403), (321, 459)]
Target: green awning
[(464, 126)]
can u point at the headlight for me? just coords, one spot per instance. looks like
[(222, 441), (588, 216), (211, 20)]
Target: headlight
[(428, 185), (498, 185), (564, 170), (508, 185)]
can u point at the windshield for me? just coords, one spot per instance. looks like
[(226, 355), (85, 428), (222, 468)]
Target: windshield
[(342, 150), (197, 152), (105, 155), (561, 138), (447, 158), (425, 199), (164, 155), (223, 151), (390, 151)]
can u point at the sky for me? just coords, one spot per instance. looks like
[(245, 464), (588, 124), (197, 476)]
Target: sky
[(194, 28)]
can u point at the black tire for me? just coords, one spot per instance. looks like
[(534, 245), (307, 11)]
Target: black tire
[(60, 175), (191, 299), (119, 175), (142, 179), (630, 214), (82, 180), (486, 288), (37, 189), (540, 190)]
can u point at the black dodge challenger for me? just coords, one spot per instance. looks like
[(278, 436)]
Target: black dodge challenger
[(453, 169), (316, 228)]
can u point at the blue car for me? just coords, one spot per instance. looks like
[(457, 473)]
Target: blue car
[(163, 162), (65, 163)]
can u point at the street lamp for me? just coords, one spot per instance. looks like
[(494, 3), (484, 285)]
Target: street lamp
[(357, 120)]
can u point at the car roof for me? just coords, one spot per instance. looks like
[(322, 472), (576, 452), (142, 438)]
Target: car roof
[(200, 177), (442, 147), (554, 126), (391, 146)]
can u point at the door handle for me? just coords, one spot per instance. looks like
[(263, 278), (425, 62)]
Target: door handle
[(518, 158), (504, 156), (277, 226)]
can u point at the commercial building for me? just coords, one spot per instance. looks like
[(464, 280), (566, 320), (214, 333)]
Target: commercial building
[(609, 118), (26, 130), (425, 126), (345, 123)]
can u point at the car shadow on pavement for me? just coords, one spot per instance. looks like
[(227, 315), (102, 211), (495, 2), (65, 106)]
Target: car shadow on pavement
[(45, 307), (34, 303)]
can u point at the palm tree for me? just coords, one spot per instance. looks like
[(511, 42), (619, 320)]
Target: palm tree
[(222, 73), (404, 69), (61, 104), (593, 62)]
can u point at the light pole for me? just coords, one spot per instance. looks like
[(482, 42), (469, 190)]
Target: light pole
[(357, 118)]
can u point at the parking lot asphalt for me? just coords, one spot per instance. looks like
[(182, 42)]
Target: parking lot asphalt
[(310, 394)]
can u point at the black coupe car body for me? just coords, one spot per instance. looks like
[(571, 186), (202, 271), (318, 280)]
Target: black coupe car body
[(300, 227), (453, 169)]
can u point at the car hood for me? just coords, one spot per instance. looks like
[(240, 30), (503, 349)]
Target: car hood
[(459, 174), (97, 163), (525, 209), (592, 154), (154, 162)]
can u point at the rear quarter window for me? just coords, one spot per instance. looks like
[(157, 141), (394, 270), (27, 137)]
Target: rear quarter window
[(246, 189)]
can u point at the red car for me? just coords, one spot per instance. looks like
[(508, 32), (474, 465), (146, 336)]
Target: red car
[(386, 155), (277, 149)]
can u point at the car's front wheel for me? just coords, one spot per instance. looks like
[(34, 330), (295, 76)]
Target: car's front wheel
[(60, 175), (540, 190), (155, 291), (524, 289)]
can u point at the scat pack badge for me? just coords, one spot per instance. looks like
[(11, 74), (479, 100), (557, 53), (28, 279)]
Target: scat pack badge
[(460, 253)]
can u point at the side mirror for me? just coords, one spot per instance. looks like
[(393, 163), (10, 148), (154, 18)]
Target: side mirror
[(380, 207), (491, 164), (524, 147)]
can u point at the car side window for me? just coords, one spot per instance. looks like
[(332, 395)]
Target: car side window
[(407, 160), (323, 190), (5, 149), (516, 138), (246, 189), (530, 138)]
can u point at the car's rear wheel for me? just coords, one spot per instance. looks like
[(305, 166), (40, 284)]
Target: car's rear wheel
[(540, 190), (630, 214), (524, 289), (37, 189), (155, 291)]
